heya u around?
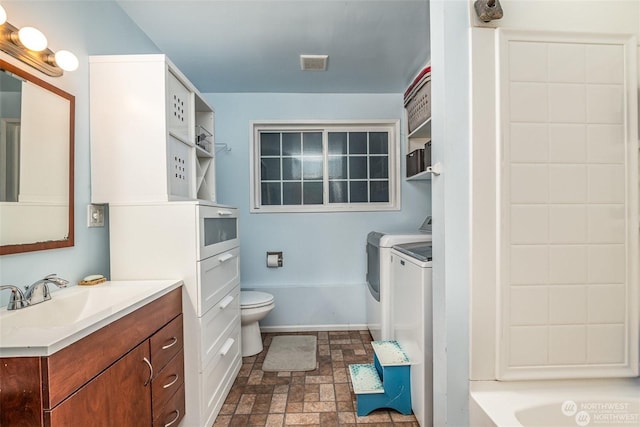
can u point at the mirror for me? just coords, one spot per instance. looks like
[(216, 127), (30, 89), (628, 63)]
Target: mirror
[(37, 122)]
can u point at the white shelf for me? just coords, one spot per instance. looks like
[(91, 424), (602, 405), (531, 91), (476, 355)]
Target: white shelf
[(421, 176), (201, 152), (415, 140), (422, 131)]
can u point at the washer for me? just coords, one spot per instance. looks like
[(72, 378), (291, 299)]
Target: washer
[(379, 297), (411, 285)]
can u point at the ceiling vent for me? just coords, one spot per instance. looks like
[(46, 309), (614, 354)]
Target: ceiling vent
[(313, 62)]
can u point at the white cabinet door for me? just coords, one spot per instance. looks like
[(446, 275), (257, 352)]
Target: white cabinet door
[(179, 109)]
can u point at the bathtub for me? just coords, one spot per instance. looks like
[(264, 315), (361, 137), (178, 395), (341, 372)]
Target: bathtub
[(570, 403)]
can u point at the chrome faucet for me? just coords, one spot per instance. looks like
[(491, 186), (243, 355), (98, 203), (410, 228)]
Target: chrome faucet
[(39, 291), (16, 301), (34, 294)]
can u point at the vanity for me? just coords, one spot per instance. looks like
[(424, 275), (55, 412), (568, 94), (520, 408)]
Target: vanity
[(113, 356)]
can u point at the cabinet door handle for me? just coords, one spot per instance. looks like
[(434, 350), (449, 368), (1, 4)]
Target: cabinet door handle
[(175, 379), (146, 383), (173, 342), (225, 213), (175, 419), (226, 347), (225, 302), (225, 258)]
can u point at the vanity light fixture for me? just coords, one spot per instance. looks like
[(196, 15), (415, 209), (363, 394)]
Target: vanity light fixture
[(65, 60), (31, 38), (29, 45)]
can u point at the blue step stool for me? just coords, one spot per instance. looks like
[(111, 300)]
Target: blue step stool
[(385, 383)]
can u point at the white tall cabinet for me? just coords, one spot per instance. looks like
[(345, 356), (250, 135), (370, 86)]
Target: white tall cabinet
[(152, 161), (151, 132)]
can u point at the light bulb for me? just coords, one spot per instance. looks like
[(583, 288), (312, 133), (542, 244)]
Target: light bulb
[(3, 15), (32, 39), (66, 60)]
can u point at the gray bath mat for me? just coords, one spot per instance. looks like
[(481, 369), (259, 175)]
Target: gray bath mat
[(291, 353)]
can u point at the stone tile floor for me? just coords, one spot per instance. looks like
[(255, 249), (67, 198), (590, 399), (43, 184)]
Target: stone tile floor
[(322, 397)]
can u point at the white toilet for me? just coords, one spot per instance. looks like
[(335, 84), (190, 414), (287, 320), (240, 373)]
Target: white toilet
[(254, 306)]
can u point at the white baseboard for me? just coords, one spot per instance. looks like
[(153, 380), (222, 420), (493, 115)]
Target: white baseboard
[(313, 328)]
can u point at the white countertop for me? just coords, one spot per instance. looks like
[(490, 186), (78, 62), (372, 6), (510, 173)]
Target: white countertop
[(72, 314)]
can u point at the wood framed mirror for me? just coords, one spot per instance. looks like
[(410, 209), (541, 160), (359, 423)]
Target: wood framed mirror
[(37, 123)]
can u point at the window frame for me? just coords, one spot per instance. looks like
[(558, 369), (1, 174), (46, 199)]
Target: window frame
[(392, 126)]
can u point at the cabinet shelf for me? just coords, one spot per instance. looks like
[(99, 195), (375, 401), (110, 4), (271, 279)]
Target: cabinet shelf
[(422, 131), (202, 153), (204, 139), (421, 176), (417, 140)]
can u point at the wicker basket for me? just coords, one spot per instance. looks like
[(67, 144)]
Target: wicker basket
[(418, 105)]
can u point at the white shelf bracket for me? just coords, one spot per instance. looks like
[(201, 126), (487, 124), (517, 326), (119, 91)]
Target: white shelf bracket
[(435, 169)]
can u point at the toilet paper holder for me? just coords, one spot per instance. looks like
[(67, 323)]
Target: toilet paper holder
[(274, 259)]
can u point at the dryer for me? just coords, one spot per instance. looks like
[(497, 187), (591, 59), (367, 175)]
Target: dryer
[(379, 295)]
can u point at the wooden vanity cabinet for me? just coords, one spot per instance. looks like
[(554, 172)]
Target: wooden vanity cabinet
[(116, 397), (128, 373)]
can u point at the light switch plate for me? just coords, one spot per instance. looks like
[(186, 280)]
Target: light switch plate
[(95, 215)]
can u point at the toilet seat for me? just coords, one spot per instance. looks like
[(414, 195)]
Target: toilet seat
[(254, 299)]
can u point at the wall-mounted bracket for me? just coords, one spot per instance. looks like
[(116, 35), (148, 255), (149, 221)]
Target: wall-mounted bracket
[(434, 169)]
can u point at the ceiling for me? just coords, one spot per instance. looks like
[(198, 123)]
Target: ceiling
[(254, 46)]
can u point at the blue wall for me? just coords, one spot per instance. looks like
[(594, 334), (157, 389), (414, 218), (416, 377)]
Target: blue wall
[(323, 278), (85, 28), (322, 282)]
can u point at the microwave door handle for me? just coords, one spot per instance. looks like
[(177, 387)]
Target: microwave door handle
[(225, 213)]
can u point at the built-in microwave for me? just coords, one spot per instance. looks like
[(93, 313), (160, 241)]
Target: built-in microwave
[(218, 230)]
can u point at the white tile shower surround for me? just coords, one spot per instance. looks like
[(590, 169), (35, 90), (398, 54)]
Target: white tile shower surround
[(566, 284)]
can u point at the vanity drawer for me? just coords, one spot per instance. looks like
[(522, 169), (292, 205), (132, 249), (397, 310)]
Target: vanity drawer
[(166, 343), (217, 323), (173, 412), (218, 275), (167, 382)]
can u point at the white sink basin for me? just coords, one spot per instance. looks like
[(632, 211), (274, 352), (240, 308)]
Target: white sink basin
[(73, 313)]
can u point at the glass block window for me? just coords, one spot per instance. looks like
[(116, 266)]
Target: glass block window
[(328, 167)]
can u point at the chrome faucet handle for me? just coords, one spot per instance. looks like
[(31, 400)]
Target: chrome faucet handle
[(39, 291), (17, 300), (58, 281)]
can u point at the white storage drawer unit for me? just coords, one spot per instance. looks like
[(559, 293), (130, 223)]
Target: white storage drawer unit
[(152, 160), (160, 240)]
